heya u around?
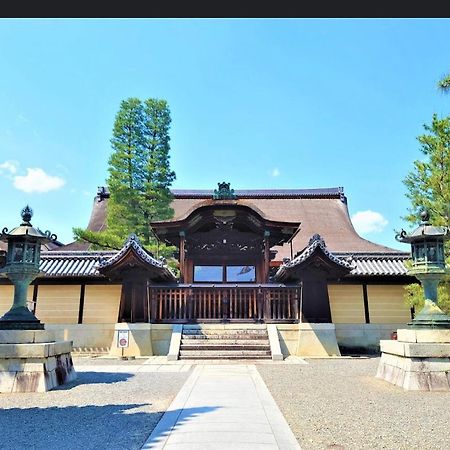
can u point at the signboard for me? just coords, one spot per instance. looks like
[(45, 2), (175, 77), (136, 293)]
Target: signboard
[(122, 338)]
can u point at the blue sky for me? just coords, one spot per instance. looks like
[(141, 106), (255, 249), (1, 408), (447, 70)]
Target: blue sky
[(296, 103)]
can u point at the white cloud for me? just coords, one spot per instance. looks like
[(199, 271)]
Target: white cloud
[(9, 166), (22, 118), (36, 180), (369, 222), (275, 172)]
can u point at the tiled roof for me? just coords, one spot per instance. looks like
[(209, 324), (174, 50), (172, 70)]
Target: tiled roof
[(264, 193), (378, 265), (84, 264), (323, 211), (72, 264), (314, 242), (362, 264), (132, 242)]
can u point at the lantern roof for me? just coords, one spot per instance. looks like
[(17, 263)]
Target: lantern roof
[(25, 229), (423, 231)]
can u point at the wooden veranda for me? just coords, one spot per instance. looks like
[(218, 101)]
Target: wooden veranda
[(224, 303)]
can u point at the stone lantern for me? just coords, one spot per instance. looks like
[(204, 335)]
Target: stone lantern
[(22, 267), (420, 357), (427, 249), (31, 359)]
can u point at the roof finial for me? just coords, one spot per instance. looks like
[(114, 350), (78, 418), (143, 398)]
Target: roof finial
[(224, 192), (425, 216), (27, 214)]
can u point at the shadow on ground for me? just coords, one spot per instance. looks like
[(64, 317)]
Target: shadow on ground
[(83, 427), (173, 420), (95, 378)]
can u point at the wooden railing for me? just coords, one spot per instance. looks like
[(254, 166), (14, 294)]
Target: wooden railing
[(223, 303)]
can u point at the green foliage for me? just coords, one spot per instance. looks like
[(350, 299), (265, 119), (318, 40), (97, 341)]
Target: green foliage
[(429, 182), (444, 84), (429, 187), (139, 177), (414, 296)]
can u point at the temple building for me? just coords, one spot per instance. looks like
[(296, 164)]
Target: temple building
[(284, 260)]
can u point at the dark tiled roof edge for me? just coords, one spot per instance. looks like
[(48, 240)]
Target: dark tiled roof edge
[(79, 253), (374, 255), (334, 192)]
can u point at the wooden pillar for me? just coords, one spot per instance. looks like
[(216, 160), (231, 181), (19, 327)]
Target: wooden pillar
[(81, 304), (366, 303), (134, 302), (266, 256), (182, 256)]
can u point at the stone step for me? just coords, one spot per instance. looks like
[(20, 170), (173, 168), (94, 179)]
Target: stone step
[(225, 341), (207, 354), (235, 326), (218, 357), (221, 331), (231, 337), (219, 348)]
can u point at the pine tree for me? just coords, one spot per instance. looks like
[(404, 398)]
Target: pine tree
[(429, 182), (444, 83), (429, 187), (139, 176)]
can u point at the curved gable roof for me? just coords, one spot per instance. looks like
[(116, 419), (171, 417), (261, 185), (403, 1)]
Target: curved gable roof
[(320, 211)]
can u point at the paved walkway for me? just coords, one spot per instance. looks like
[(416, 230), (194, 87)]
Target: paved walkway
[(223, 407)]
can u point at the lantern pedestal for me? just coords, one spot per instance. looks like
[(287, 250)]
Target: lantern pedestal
[(418, 360), (32, 361), (19, 317), (430, 316)]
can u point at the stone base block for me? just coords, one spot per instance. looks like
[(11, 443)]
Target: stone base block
[(26, 336), (434, 336), (139, 340), (317, 340), (416, 349), (415, 364), (415, 374), (35, 367)]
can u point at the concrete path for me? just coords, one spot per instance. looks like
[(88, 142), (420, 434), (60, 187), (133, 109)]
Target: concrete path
[(223, 407)]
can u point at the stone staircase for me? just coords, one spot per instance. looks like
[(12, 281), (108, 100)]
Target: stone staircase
[(219, 342)]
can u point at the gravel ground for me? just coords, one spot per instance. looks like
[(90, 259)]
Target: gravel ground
[(339, 404), (97, 411), (94, 361)]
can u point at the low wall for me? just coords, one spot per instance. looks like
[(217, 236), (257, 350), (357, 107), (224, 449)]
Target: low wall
[(295, 339), (364, 337), (308, 339), (145, 339), (86, 336), (320, 339)]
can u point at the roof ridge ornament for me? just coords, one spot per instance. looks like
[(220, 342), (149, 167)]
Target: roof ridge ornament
[(316, 237), (317, 241), (224, 192), (27, 214), (133, 238)]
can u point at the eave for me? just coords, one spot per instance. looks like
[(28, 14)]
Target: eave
[(134, 257)]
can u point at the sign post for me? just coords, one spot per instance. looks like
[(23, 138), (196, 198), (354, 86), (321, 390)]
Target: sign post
[(123, 340)]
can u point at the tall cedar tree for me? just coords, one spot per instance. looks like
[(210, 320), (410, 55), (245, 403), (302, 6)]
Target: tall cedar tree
[(139, 176), (429, 187)]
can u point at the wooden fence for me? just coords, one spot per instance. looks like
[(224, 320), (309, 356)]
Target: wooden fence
[(187, 304)]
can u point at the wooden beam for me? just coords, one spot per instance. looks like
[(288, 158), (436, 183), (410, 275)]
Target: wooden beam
[(366, 303), (182, 256), (81, 306), (266, 256)]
